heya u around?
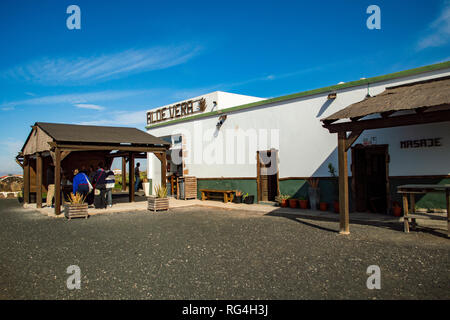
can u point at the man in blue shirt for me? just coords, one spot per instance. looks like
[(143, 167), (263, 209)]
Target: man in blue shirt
[(80, 183)]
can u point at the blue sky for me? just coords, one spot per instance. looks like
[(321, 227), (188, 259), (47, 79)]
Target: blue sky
[(130, 56)]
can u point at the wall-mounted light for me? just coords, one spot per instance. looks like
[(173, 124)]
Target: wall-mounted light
[(332, 96), (221, 121)]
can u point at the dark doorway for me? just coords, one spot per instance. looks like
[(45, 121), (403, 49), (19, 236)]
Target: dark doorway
[(267, 175), (370, 183)]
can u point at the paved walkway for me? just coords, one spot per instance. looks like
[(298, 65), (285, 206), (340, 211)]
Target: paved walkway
[(261, 209)]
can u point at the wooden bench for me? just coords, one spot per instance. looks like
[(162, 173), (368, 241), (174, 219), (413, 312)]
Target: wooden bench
[(226, 195)]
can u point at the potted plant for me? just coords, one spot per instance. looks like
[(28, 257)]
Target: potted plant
[(159, 201), (335, 183), (313, 192), (146, 187), (248, 199), (303, 202), (282, 200), (396, 209), (20, 196), (293, 203), (76, 207), (237, 196), (323, 206)]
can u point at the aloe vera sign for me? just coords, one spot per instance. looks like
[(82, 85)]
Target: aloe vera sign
[(176, 111)]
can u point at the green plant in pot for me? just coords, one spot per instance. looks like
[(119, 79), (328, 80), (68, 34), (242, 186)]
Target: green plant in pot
[(248, 199), (282, 200), (293, 203), (335, 182), (238, 196), (20, 196), (303, 202)]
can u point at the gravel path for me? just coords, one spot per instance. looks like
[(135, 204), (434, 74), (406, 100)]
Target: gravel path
[(204, 253)]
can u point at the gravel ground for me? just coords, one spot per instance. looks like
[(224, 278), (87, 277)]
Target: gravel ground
[(206, 253)]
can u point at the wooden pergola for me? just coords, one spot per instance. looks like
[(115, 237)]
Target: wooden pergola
[(405, 105), (69, 146)]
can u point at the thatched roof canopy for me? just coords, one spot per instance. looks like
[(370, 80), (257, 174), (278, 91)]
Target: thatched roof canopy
[(412, 96)]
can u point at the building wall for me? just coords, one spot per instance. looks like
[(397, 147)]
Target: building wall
[(305, 147)]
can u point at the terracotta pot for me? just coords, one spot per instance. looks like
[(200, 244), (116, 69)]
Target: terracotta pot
[(284, 203), (397, 211), (293, 203), (323, 206), (336, 206), (303, 204)]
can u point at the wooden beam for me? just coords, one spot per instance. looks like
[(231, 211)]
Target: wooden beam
[(352, 138), (71, 147), (163, 169), (19, 163), (64, 154), (343, 184), (124, 174), (26, 179), (131, 177), (57, 181), (38, 180), (397, 121)]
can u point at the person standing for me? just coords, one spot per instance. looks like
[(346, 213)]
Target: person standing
[(137, 177), (80, 183), (110, 183), (100, 187), (50, 185)]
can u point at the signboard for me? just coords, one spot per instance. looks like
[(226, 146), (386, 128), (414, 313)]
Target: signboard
[(421, 143), (176, 111)]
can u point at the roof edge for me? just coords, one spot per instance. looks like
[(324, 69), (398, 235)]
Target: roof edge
[(389, 76)]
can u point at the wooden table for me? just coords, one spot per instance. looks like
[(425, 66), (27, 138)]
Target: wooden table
[(412, 190), (226, 195)]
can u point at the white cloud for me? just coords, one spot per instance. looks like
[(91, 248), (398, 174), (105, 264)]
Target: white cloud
[(76, 98), (120, 118), (57, 71), (438, 33), (89, 106)]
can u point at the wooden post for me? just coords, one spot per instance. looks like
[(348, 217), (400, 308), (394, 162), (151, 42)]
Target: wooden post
[(405, 212), (447, 198), (343, 183), (131, 177), (38, 180), (57, 181), (124, 174), (163, 169), (26, 179)]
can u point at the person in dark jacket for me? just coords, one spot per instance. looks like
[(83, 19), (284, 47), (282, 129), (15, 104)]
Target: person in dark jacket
[(80, 183), (99, 183)]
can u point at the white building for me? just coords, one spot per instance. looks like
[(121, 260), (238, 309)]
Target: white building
[(220, 134)]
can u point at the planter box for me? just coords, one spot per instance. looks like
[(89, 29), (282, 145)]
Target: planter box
[(76, 211), (157, 204)]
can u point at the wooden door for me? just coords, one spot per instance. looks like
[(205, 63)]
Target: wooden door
[(371, 178), (267, 176)]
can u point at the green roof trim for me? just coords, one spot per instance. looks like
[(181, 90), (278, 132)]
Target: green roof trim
[(390, 76)]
